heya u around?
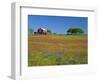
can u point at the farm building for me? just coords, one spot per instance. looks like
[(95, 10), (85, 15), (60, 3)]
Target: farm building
[(41, 31)]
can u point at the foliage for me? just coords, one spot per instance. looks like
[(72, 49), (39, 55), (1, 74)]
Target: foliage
[(30, 30), (75, 31), (49, 31)]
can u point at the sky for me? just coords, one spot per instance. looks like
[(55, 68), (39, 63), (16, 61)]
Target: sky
[(57, 24)]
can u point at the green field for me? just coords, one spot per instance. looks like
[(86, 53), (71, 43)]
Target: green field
[(45, 50)]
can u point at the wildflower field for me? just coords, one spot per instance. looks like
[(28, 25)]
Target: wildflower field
[(46, 50)]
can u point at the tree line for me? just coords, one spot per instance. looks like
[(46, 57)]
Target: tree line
[(70, 31)]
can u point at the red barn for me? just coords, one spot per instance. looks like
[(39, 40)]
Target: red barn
[(42, 31)]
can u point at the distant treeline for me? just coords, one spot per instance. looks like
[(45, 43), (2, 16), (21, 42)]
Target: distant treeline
[(70, 31)]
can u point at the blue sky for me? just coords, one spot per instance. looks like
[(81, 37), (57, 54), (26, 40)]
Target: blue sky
[(57, 24)]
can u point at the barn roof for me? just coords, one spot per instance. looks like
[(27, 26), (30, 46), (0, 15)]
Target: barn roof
[(44, 29)]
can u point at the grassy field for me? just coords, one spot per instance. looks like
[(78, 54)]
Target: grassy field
[(48, 50)]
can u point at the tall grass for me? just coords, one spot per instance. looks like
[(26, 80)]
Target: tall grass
[(65, 51)]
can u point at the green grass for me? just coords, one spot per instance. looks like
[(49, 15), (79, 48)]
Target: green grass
[(57, 50), (67, 37)]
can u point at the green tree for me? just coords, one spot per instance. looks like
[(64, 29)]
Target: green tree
[(30, 30), (49, 31), (75, 31)]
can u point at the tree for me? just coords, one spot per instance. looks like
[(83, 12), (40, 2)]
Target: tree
[(75, 31), (30, 30), (54, 33), (49, 31)]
